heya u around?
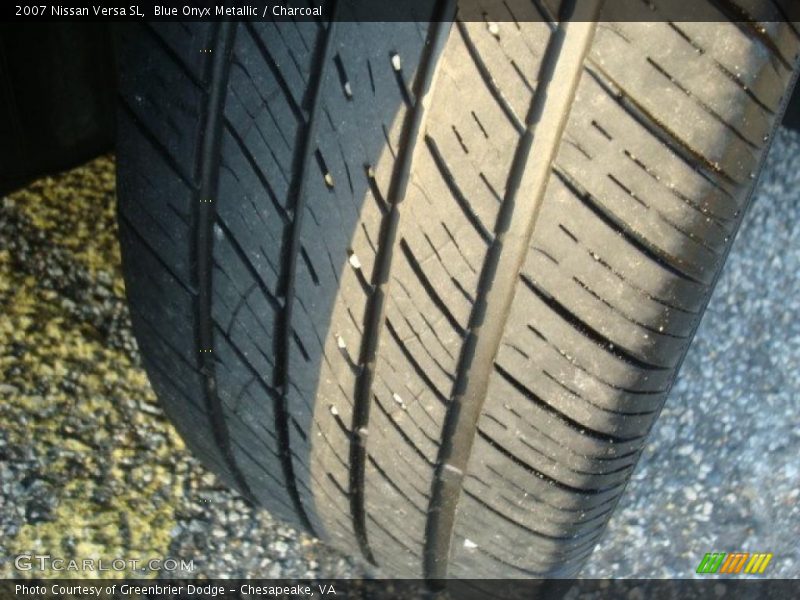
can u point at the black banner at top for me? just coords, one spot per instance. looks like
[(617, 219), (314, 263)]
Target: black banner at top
[(757, 15)]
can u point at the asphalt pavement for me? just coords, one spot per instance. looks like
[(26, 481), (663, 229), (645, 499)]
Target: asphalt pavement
[(89, 466)]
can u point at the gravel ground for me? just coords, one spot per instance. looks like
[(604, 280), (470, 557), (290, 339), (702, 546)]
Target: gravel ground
[(89, 467)]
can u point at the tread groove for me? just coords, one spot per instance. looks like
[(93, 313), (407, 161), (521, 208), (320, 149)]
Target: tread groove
[(245, 260), (192, 291), (412, 130), (636, 240), (739, 17), (292, 248), (429, 289), (530, 530), (692, 158), (156, 144), (487, 78), (546, 406), (587, 330), (412, 361), (176, 58), (600, 260), (277, 74), (207, 167), (714, 114), (258, 172), (560, 70), (461, 200), (521, 463), (580, 367)]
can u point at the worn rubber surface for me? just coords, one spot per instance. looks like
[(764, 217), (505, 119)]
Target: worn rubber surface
[(423, 288)]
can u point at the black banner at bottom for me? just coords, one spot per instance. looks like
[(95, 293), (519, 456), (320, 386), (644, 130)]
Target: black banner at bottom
[(367, 589)]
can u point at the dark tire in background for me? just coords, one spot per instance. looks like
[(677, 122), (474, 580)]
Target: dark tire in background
[(423, 288), (57, 101)]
